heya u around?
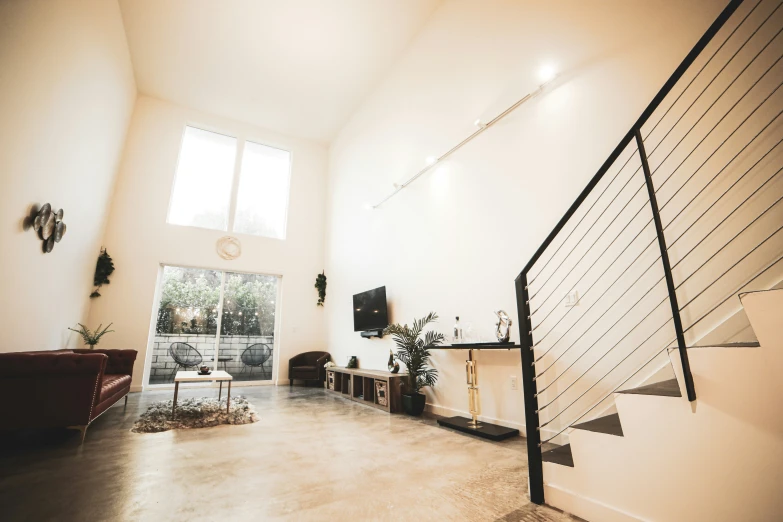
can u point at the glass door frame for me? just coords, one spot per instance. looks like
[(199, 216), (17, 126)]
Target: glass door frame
[(154, 320)]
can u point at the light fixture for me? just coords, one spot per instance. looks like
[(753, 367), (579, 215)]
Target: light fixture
[(480, 124), (547, 73), (368, 206), (431, 160)]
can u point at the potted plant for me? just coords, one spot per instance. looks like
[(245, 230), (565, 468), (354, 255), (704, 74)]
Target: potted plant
[(91, 338), (414, 352)]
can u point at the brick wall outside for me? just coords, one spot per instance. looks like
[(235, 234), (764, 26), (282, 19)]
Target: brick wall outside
[(163, 366)]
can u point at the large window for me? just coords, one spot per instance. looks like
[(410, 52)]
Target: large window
[(207, 171)]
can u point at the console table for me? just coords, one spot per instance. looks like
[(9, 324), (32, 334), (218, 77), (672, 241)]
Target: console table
[(473, 426), (376, 388)]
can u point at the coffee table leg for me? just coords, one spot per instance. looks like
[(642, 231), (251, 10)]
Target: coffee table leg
[(174, 406), (228, 399), (220, 393)]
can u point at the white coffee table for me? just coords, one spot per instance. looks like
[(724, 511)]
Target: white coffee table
[(194, 376)]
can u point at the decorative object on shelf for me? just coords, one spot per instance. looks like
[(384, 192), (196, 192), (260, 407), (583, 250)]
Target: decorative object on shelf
[(457, 331), (50, 227), (380, 393), (329, 364), (330, 380), (353, 362), (91, 338), (503, 326), (393, 365), (229, 247), (414, 352), (320, 285), (103, 269)]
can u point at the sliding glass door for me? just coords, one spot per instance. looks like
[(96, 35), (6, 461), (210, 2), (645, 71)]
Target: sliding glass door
[(195, 304)]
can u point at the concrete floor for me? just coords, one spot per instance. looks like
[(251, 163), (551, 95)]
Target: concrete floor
[(312, 456)]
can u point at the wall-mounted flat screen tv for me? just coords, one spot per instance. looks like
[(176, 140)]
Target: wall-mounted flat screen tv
[(369, 310)]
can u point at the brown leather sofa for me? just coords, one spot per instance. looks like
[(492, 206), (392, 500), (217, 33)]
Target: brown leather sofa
[(63, 388), (308, 366)]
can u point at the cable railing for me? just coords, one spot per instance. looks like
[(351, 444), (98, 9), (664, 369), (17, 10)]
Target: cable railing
[(714, 164)]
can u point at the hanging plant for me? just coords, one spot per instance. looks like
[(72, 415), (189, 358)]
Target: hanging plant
[(320, 284), (103, 269)]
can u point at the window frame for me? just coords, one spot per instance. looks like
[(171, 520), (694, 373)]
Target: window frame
[(242, 139)]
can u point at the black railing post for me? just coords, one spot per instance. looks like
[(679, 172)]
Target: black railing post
[(667, 270), (534, 462)]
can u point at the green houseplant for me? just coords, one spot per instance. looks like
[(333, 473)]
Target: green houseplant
[(90, 337), (413, 350)]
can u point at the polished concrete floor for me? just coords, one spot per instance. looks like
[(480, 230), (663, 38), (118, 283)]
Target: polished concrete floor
[(312, 456)]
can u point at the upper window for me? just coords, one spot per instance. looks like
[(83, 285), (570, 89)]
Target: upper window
[(262, 198), (206, 174)]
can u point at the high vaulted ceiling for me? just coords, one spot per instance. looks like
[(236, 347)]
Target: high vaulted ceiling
[(299, 67)]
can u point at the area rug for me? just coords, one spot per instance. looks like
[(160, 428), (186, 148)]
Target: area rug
[(199, 412)]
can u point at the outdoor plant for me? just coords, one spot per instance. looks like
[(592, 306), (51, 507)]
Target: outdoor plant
[(413, 350), (91, 338)]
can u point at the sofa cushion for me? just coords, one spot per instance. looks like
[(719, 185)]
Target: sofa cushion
[(113, 384)]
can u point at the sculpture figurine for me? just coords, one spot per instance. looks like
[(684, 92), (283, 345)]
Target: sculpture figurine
[(503, 326)]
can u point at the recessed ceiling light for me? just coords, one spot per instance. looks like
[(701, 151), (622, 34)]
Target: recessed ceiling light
[(431, 160)]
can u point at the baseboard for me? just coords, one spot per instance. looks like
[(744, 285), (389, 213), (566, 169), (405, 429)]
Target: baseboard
[(451, 412), (584, 507), (136, 388)]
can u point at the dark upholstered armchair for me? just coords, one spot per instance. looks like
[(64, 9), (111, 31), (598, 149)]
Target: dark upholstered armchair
[(308, 366)]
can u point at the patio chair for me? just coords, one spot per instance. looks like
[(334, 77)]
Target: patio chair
[(256, 355), (185, 356)]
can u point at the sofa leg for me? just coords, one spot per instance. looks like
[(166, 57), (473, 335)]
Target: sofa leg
[(290, 383), (126, 400), (82, 430)]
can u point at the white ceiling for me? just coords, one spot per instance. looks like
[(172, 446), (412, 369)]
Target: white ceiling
[(299, 67)]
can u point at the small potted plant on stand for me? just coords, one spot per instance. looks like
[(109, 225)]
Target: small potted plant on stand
[(414, 352)]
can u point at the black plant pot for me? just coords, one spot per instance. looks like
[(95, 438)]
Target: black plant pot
[(413, 404)]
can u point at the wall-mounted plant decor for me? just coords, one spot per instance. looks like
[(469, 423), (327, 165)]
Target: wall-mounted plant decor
[(103, 269), (320, 284), (50, 227)]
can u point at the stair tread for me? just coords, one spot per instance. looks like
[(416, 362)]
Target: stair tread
[(668, 388), (560, 455), (743, 344), (609, 424)]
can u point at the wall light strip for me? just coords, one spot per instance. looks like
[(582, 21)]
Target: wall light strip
[(482, 128)]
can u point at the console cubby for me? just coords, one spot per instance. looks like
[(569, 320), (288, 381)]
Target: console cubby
[(376, 388)]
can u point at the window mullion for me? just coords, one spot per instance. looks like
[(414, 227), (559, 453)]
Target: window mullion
[(235, 185)]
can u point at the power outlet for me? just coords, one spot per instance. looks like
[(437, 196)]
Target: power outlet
[(571, 299), (514, 383)]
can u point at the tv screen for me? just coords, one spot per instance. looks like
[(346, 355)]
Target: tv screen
[(369, 310)]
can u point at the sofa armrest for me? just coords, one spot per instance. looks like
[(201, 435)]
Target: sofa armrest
[(120, 361), (320, 363), (59, 389)]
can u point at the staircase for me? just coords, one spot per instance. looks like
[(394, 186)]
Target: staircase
[(657, 396)]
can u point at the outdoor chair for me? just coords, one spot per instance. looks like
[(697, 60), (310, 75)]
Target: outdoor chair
[(185, 356), (255, 356)]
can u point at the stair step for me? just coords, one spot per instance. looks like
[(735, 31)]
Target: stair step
[(609, 425), (744, 344), (668, 388), (559, 455)]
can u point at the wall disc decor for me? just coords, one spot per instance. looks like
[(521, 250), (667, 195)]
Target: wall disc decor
[(229, 247), (50, 226)]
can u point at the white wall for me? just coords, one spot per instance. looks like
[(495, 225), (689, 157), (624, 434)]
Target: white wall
[(139, 239), (455, 240), (67, 96)]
